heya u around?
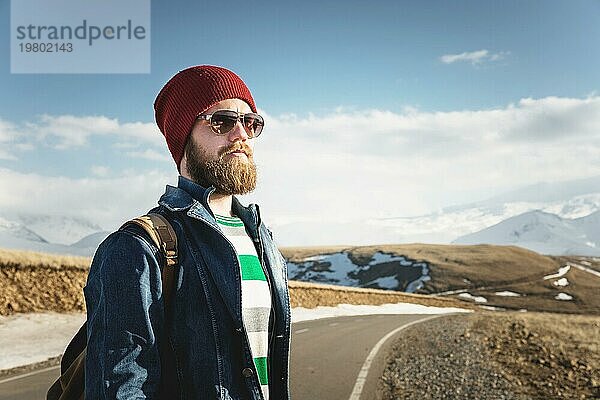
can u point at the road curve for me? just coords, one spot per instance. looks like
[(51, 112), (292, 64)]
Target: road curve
[(328, 354), (327, 357)]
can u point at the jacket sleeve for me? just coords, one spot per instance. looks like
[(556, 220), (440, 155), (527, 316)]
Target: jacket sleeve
[(125, 318)]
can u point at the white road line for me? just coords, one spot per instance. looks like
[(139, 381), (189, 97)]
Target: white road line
[(301, 330), (364, 371), (14, 378)]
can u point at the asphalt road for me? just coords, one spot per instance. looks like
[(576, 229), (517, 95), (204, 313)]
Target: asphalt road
[(327, 356), (29, 386)]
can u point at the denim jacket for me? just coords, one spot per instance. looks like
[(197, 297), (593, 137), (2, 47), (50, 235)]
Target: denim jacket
[(202, 351)]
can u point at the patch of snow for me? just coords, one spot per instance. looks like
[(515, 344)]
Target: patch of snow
[(586, 269), (380, 257), (338, 269), (418, 283), (476, 299), (562, 282), (589, 264), (563, 296), (561, 272), (386, 282), (508, 293), (318, 257), (31, 338), (336, 273), (305, 314), (492, 308), (522, 310)]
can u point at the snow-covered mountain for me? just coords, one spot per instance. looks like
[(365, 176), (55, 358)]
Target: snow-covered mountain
[(16, 230), (59, 229), (91, 241), (10, 242), (568, 200), (50, 234), (544, 233)]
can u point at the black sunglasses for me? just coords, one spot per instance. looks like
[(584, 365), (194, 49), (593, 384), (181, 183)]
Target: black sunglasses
[(223, 121)]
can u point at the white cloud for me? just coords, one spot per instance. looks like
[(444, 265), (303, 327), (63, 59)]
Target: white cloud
[(346, 165), (8, 141), (7, 131), (150, 154), (384, 163), (69, 131), (474, 57), (100, 170), (105, 201), (4, 155)]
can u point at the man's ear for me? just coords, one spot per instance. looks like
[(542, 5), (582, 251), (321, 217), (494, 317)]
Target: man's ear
[(183, 166)]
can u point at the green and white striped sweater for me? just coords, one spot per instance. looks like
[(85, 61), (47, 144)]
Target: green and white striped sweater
[(256, 296)]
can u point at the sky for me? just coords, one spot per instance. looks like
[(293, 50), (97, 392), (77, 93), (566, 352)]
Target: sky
[(373, 109)]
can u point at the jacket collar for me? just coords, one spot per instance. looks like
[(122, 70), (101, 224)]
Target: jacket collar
[(190, 196)]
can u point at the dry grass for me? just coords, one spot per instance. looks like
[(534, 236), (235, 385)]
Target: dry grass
[(33, 282), (28, 259), (310, 295)]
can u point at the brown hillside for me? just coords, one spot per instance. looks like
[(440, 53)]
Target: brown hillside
[(451, 264), (35, 282), (484, 270)]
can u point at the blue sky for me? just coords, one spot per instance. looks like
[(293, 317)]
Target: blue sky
[(419, 64), (317, 55)]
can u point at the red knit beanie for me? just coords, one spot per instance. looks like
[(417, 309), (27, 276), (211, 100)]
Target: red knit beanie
[(190, 92)]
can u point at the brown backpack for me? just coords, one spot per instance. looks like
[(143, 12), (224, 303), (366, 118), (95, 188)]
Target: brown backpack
[(71, 383)]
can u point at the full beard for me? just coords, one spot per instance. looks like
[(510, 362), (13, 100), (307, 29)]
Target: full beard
[(228, 174)]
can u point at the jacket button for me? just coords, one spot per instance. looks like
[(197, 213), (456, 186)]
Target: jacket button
[(247, 372)]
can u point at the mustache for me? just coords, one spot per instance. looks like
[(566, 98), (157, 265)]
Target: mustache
[(235, 147)]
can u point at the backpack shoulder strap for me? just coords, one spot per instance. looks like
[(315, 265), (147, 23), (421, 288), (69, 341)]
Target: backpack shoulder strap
[(71, 383), (163, 235)]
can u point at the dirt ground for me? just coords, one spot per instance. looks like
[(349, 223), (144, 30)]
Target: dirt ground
[(496, 356)]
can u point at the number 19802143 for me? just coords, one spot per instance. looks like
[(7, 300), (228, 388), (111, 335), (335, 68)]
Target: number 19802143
[(46, 47)]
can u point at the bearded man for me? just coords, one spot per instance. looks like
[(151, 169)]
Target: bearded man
[(225, 333)]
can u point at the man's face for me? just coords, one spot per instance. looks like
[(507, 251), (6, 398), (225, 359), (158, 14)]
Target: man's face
[(208, 158)]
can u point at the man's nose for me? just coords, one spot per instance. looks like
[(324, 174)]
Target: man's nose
[(238, 132)]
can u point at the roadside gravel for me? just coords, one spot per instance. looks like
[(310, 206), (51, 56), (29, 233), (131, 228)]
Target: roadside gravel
[(495, 356)]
